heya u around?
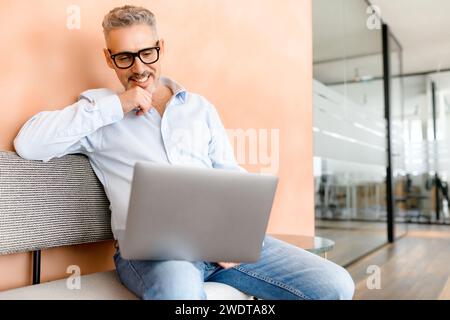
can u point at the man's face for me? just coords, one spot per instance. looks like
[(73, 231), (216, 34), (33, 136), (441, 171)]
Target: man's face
[(133, 39)]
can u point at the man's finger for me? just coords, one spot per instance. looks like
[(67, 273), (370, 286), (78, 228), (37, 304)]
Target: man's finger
[(129, 85)]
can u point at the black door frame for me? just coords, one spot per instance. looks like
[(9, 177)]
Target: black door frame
[(387, 115)]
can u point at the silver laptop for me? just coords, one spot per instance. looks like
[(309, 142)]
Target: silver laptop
[(195, 214)]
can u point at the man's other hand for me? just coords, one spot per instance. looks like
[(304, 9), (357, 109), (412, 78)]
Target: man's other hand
[(227, 265)]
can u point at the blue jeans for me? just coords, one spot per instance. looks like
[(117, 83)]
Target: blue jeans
[(283, 272)]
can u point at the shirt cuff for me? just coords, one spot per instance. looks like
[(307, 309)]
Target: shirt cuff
[(110, 109)]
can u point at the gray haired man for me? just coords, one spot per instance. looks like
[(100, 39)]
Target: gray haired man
[(114, 130)]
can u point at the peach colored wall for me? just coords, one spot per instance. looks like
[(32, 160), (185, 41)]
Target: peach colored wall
[(252, 59)]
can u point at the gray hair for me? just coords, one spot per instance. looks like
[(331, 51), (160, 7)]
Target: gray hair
[(127, 16)]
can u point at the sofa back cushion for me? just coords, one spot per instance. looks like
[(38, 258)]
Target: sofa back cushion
[(51, 204)]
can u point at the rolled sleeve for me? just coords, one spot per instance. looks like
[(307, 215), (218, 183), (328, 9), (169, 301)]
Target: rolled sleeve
[(110, 109)]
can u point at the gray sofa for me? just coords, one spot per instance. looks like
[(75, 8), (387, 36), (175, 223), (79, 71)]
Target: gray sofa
[(55, 204)]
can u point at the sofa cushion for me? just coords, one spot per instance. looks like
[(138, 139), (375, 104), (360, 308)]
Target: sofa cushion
[(53, 204), (104, 286)]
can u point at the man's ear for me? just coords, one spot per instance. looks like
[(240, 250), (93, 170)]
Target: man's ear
[(108, 58), (162, 47)]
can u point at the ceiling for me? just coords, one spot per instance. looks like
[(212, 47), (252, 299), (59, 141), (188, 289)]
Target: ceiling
[(346, 50), (421, 26), (339, 30), (423, 29)]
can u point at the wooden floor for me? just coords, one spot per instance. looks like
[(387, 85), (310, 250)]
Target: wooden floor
[(416, 267)]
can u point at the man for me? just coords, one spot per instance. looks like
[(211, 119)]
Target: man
[(156, 120)]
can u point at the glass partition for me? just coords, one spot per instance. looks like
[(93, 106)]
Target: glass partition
[(427, 151), (350, 131)]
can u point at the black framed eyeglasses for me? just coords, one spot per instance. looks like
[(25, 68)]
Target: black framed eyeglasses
[(125, 60)]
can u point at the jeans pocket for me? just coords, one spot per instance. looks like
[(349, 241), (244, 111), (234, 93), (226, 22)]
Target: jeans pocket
[(209, 266)]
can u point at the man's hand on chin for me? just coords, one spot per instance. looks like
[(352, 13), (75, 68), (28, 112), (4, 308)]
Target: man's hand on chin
[(227, 265), (137, 98)]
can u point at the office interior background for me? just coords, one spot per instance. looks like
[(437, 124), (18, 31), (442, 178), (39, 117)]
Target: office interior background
[(382, 136), (361, 101)]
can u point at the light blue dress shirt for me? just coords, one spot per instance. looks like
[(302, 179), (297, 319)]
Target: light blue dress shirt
[(189, 133)]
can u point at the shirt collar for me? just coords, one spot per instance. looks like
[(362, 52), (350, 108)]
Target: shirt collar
[(178, 91)]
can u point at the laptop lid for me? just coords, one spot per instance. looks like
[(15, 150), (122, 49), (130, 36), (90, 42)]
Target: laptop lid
[(196, 214)]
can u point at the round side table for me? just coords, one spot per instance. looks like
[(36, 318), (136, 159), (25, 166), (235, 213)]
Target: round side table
[(317, 245)]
